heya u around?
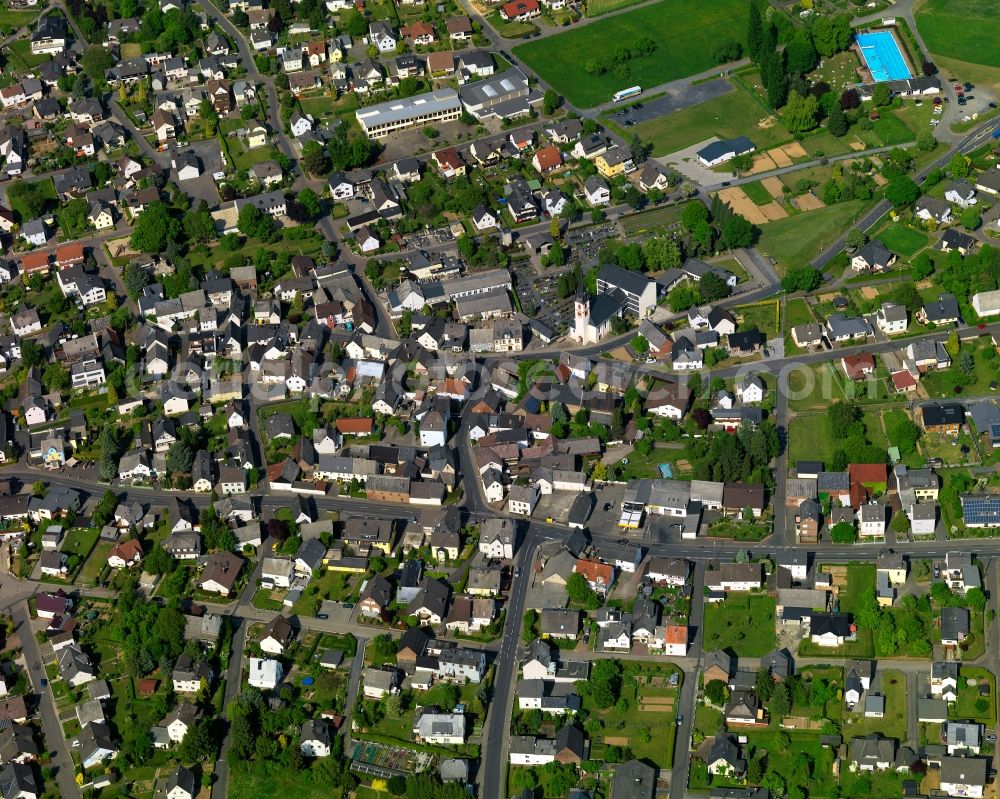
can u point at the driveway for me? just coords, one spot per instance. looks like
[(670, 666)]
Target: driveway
[(676, 99)]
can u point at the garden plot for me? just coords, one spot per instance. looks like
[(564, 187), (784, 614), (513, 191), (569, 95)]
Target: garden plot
[(738, 200), (774, 187)]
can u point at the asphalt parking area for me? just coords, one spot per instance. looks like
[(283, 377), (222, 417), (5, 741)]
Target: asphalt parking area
[(674, 100)]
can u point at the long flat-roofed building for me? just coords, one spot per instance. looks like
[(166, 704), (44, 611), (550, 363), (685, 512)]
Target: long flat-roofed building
[(382, 119)]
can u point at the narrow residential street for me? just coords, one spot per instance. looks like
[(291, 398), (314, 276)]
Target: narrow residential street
[(55, 739)]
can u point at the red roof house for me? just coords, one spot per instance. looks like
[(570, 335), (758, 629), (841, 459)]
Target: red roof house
[(355, 427)]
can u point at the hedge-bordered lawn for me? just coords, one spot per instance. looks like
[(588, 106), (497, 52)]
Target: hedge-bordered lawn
[(684, 31)]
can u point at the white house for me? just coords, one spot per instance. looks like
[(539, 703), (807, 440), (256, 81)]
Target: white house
[(892, 319), (265, 673), (750, 388), (314, 740), (522, 499), (497, 539)]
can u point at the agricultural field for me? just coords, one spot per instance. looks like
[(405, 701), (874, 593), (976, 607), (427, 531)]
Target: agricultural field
[(684, 31), (968, 30)]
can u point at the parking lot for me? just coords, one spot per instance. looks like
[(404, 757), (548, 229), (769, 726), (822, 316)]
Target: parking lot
[(673, 100)]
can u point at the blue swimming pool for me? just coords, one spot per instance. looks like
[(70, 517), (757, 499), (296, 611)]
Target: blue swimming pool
[(882, 55)]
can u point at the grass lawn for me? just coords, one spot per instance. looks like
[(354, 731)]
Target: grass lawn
[(873, 424), (12, 19), (264, 600), (640, 466), (80, 541), (810, 438), (821, 783), (890, 129), (764, 316), (706, 719), (903, 240), (245, 159), (797, 313), (942, 382), (815, 387), (968, 30), (44, 188), (214, 256), (684, 31), (968, 696), (744, 622), (324, 106), (96, 562), (756, 192), (975, 645), (20, 56), (596, 8), (893, 723), (247, 783), (654, 218), (735, 114), (878, 785), (794, 241)]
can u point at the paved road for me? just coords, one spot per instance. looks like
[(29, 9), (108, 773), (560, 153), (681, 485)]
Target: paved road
[(55, 739), (785, 170), (254, 76), (234, 684), (973, 140), (497, 728)]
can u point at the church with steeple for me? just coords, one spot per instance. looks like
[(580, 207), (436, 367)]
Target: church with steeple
[(592, 317)]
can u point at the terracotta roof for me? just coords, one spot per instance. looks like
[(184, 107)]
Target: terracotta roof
[(449, 157), (69, 252), (903, 380), (416, 30), (442, 61), (33, 261), (355, 426), (857, 365), (675, 634), (867, 473), (127, 550), (548, 158), (595, 572)]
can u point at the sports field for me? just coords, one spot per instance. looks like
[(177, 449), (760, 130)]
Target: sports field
[(684, 32), (968, 30)]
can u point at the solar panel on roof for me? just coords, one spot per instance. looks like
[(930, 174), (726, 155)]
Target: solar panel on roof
[(981, 510)]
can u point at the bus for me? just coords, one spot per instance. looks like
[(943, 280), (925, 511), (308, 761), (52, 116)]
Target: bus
[(624, 94)]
